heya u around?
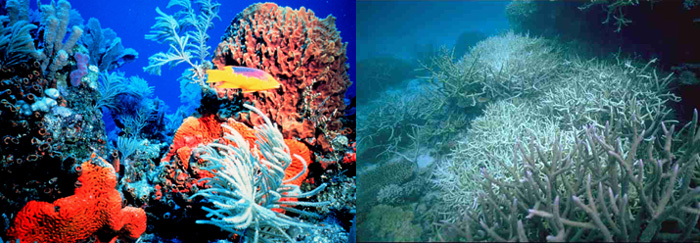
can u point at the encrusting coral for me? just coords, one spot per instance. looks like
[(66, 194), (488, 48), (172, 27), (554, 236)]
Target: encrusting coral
[(94, 210)]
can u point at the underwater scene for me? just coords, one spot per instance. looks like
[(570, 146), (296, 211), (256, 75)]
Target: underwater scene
[(563, 121), (177, 121)]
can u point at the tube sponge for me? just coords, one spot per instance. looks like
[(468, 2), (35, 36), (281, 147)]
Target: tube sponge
[(74, 37), (63, 14), (59, 61), (17, 10)]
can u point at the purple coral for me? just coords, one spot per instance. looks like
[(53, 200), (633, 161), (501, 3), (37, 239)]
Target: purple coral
[(82, 70)]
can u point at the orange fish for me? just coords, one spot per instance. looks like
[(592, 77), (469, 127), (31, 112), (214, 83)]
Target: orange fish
[(248, 79)]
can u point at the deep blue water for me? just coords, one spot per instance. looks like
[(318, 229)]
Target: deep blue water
[(132, 20), (390, 28)]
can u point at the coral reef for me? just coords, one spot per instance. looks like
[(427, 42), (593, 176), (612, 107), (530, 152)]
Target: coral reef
[(600, 190), (622, 95), (306, 55), (387, 223), (106, 50), (61, 94), (499, 67), (96, 206), (180, 173), (371, 181), (246, 187), (486, 142), (52, 124), (390, 128)]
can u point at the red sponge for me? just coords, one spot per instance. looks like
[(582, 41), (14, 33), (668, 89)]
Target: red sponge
[(95, 206)]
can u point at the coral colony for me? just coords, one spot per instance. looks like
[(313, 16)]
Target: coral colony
[(261, 154), (532, 138)]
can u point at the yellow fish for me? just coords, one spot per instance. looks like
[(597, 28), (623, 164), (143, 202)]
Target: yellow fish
[(245, 78)]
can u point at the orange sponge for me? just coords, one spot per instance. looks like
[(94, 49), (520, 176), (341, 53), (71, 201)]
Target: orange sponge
[(95, 206)]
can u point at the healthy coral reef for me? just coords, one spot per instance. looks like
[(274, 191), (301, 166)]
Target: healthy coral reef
[(306, 55), (182, 172), (48, 90), (199, 131), (249, 184), (310, 103), (42, 131), (95, 208)]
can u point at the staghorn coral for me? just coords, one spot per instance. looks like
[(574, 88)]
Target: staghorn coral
[(305, 54), (393, 124), (595, 91), (491, 138), (621, 106), (246, 186), (612, 186), (96, 207), (500, 67), (372, 180), (585, 92)]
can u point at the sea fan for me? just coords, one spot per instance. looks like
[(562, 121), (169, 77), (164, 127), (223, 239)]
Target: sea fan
[(16, 44)]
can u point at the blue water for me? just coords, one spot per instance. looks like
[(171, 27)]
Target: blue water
[(132, 20), (406, 24)]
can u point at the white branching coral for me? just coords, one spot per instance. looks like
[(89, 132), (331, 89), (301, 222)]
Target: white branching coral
[(246, 187)]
